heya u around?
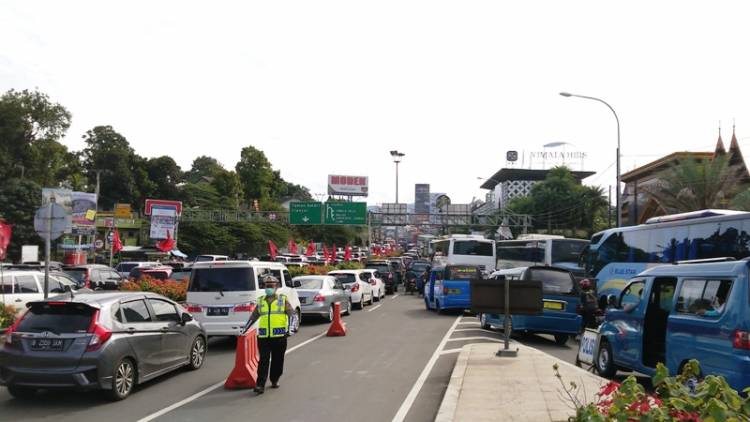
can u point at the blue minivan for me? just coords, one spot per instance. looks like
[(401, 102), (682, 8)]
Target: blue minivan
[(674, 313), (449, 287), (560, 316)]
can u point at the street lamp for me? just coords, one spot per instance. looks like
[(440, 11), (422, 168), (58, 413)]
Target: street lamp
[(619, 210), (397, 159)]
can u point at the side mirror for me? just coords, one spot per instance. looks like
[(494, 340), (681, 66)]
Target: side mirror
[(185, 318), (296, 283), (612, 301)]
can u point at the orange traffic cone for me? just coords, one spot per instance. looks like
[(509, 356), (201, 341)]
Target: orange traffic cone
[(338, 328), (245, 372)]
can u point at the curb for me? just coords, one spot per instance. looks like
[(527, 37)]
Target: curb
[(447, 410)]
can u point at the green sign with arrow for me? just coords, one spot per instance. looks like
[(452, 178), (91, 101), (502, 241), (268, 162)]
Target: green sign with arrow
[(305, 213), (350, 213)]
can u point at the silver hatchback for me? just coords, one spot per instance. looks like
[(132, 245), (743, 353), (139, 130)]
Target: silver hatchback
[(318, 293), (110, 341)]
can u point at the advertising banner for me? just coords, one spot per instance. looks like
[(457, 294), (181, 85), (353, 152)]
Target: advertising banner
[(84, 212), (163, 219), (347, 185), (64, 198)]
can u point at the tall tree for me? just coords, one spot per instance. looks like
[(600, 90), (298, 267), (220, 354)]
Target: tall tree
[(693, 185), (227, 185), (110, 153), (19, 200), (255, 173), (165, 174), (203, 166), (30, 129)]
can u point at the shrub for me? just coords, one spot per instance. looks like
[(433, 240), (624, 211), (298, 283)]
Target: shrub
[(7, 316), (684, 397), (173, 289)]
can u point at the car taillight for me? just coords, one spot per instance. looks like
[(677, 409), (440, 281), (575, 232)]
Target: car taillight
[(355, 288), (9, 332), (319, 298), (390, 276), (194, 308), (373, 282), (445, 290), (100, 334), (244, 307), (741, 340)]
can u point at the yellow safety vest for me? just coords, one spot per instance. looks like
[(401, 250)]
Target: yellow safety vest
[(273, 321)]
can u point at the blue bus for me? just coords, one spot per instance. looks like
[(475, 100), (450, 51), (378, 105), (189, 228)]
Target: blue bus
[(616, 255)]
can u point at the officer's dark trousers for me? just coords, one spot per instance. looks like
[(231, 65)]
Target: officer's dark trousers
[(273, 350)]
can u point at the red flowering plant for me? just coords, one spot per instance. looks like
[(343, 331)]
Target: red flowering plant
[(685, 397), (172, 289)]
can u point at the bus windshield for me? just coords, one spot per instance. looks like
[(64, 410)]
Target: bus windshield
[(567, 250), (472, 247)]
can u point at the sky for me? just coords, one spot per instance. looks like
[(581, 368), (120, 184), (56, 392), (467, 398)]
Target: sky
[(330, 87)]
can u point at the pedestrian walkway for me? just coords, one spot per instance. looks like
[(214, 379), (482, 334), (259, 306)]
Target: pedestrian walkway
[(484, 387)]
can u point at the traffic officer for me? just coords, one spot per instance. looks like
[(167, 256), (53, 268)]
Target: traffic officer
[(274, 315)]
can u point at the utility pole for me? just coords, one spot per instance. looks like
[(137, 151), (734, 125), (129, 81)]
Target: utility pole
[(609, 207)]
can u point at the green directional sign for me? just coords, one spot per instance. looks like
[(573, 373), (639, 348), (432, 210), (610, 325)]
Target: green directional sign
[(305, 213), (353, 213)]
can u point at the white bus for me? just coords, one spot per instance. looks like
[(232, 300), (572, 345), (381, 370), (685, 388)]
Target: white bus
[(423, 244), (464, 249), (536, 249)]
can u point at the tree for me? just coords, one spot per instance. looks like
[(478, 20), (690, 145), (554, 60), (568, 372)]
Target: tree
[(110, 152), (255, 173), (693, 185), (164, 173), (30, 127), (19, 200), (227, 185), (203, 166)]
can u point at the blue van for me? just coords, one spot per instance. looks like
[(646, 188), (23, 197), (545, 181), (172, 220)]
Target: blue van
[(674, 313), (449, 287), (562, 299)]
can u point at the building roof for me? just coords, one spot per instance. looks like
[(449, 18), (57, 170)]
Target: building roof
[(662, 164), (506, 174)]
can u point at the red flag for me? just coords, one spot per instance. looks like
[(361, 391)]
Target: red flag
[(310, 249), (5, 233), (272, 250), (348, 253), (165, 245), (117, 243), (292, 247)]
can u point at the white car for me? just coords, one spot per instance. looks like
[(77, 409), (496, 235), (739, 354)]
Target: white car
[(354, 282), (378, 287), (22, 287), (222, 294), (125, 267)]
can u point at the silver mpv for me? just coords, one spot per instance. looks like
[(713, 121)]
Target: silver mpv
[(108, 340)]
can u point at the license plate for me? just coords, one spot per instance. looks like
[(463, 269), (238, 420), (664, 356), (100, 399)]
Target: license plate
[(46, 344), (454, 291), (554, 306), (217, 312), (303, 300)]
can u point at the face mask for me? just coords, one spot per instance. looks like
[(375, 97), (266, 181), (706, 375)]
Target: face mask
[(270, 291)]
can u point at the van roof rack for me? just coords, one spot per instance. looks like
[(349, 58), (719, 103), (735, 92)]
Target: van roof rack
[(705, 260)]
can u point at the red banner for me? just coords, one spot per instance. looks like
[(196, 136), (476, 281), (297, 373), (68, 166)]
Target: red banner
[(5, 233)]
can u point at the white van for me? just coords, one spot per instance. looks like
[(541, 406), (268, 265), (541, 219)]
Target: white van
[(222, 294)]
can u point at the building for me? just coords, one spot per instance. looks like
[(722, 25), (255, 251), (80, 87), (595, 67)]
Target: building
[(638, 206), (509, 183)]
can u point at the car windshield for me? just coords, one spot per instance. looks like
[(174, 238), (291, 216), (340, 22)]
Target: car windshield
[(79, 275), (203, 258), (222, 280), (310, 283), (462, 273), (554, 282), (57, 318), (345, 278), (125, 267), (379, 268)]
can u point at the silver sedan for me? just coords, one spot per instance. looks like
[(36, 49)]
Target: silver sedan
[(318, 293)]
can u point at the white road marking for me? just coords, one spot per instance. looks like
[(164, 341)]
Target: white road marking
[(461, 330), (409, 401), (213, 387), (376, 307), (449, 351), (394, 296), (476, 338)]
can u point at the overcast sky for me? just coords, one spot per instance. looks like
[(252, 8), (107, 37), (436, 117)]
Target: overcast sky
[(331, 86)]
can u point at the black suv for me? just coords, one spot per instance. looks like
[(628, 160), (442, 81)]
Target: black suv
[(390, 277)]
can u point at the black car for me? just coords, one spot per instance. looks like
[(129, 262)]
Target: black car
[(390, 278)]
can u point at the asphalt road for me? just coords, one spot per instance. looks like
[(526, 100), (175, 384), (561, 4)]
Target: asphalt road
[(394, 364)]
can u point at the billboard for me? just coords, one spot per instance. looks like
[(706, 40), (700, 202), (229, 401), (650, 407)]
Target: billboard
[(347, 185), (163, 220), (422, 202), (84, 213)]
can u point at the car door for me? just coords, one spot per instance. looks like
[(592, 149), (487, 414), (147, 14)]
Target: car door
[(174, 338), (26, 288), (437, 287), (631, 309), (339, 292), (289, 290), (143, 334)]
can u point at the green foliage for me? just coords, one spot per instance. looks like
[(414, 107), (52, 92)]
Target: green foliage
[(164, 173), (108, 150), (19, 200), (695, 185), (203, 166), (684, 397), (7, 316), (255, 173), (227, 185)]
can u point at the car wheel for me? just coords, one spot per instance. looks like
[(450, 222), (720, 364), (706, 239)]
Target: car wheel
[(437, 307), (348, 308), (197, 353), (561, 339), (21, 393), (298, 312), (483, 322), (427, 304), (361, 304), (123, 380), (376, 297), (605, 364), (330, 313)]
